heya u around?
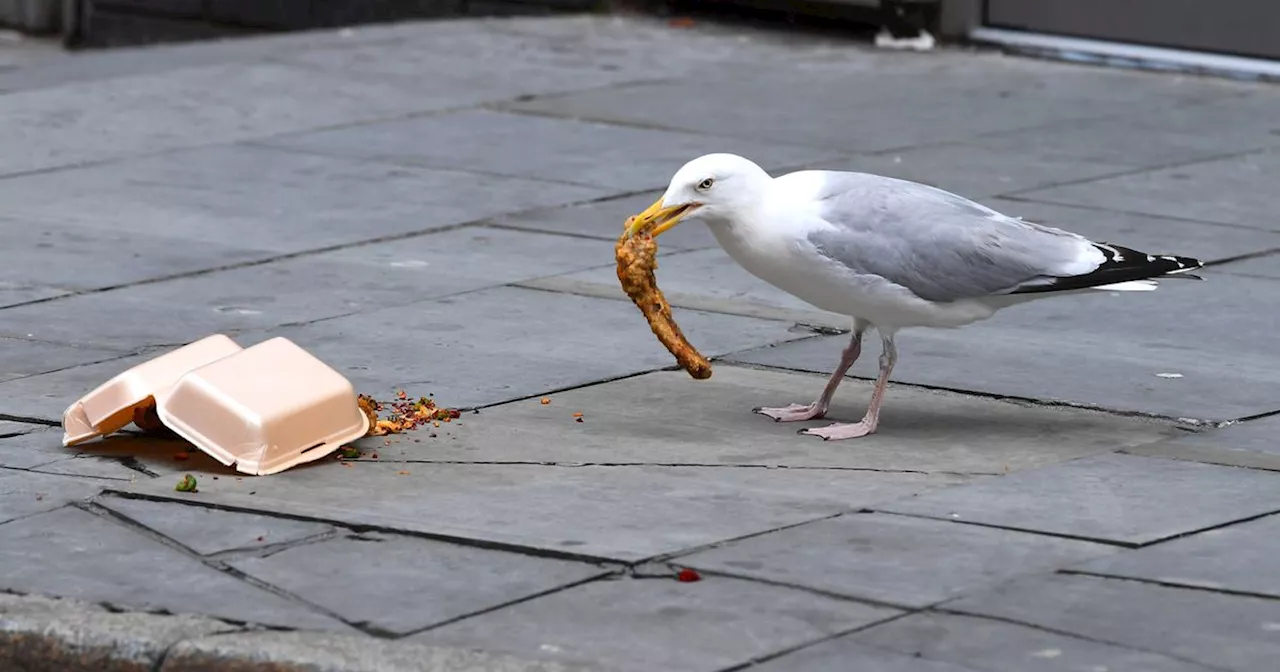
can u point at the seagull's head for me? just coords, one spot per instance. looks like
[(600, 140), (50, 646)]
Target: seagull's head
[(713, 188)]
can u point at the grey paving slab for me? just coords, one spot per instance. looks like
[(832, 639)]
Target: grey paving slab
[(1255, 443), (21, 357), (208, 531), (1193, 191), (622, 513), (1157, 137), (742, 102), (30, 446), (1120, 498), (327, 652), (604, 219), (111, 118), (894, 559), (973, 169), (267, 199), (69, 67), (305, 289), (1239, 558), (619, 158), (661, 624), (542, 57), (841, 654), (1267, 266), (501, 344), (704, 274), (1220, 631), (1148, 233), (80, 258), (996, 646), (668, 418), (9, 428), (24, 493), (46, 396), (406, 584), (14, 293), (72, 553), (1101, 349)]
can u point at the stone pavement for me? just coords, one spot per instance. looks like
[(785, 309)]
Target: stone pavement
[(431, 207)]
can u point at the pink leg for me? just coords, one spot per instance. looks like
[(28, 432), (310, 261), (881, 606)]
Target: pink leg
[(869, 421), (817, 409)]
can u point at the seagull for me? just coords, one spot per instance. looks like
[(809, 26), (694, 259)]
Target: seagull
[(888, 253)]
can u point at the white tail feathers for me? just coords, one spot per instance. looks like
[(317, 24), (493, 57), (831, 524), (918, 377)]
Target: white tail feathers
[(1130, 286)]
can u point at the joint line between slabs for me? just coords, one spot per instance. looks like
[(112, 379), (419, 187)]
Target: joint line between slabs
[(814, 642), (678, 465), (1168, 584), (382, 529), (286, 256), (603, 576), (1134, 213), (218, 565), (1073, 635), (975, 393), (1008, 528), (1139, 170)]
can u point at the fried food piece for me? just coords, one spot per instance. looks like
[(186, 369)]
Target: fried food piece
[(637, 262)]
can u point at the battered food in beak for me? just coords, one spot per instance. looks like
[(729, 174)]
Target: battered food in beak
[(655, 219)]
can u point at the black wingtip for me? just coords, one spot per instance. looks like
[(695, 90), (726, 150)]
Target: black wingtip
[(1122, 264)]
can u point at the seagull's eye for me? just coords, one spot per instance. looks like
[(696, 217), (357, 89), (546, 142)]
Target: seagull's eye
[(706, 184)]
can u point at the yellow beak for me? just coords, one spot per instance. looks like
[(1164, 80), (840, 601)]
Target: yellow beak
[(657, 219)]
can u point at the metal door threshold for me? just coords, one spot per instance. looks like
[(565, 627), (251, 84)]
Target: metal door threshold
[(1120, 54)]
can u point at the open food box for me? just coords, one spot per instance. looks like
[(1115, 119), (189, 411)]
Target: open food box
[(263, 409)]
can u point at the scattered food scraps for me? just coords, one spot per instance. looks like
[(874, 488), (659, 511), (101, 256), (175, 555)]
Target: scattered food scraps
[(402, 394), (187, 484), (545, 401), (262, 538), (349, 452), (687, 575), (404, 415), (637, 261), (402, 473)]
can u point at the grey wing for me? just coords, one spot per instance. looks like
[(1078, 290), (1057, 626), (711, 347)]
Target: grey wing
[(939, 245)]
